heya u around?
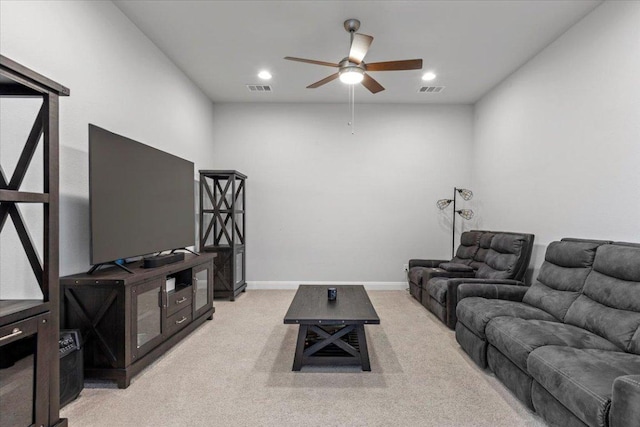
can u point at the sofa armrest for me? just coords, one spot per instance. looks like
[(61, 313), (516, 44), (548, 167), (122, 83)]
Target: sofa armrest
[(456, 267), (492, 291), (452, 294), (428, 263), (625, 402), (421, 275)]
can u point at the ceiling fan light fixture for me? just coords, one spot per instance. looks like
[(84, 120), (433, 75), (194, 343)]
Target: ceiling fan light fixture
[(351, 75)]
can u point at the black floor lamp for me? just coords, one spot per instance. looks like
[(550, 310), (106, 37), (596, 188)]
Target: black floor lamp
[(464, 213)]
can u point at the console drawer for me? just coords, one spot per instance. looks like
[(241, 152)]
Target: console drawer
[(179, 320), (176, 301)]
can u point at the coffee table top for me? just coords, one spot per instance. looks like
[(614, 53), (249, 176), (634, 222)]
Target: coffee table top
[(311, 306)]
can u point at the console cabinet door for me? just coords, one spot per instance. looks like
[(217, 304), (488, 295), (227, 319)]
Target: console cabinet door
[(147, 301), (202, 289), (24, 372)]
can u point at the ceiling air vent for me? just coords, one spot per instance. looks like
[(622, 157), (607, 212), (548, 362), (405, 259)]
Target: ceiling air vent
[(259, 88), (431, 89)]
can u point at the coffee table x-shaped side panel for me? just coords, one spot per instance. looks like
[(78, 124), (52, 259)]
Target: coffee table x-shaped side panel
[(357, 355)]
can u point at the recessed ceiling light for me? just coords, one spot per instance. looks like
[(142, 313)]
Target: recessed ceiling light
[(264, 75), (430, 75)]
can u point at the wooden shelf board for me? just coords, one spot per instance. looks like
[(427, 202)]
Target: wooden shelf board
[(27, 77), (15, 310), (23, 197)]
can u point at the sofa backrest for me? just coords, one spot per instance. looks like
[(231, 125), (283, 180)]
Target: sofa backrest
[(562, 276), (469, 244), (483, 248), (609, 305), (508, 256)]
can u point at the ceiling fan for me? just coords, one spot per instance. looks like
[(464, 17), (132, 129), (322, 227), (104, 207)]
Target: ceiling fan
[(353, 69)]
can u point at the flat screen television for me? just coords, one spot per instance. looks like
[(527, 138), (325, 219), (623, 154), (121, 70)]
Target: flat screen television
[(141, 199)]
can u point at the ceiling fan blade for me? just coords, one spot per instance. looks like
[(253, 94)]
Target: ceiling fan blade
[(312, 61), (409, 64), (359, 47), (323, 81), (371, 84)]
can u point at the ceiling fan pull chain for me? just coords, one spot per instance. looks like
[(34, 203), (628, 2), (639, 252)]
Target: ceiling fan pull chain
[(353, 109), (349, 104)]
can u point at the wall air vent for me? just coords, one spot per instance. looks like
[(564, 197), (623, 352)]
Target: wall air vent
[(431, 89), (260, 88)]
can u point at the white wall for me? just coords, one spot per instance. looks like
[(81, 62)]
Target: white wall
[(325, 205), (120, 81), (554, 148), (557, 144)]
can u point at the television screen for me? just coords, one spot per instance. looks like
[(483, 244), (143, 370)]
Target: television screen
[(141, 199)]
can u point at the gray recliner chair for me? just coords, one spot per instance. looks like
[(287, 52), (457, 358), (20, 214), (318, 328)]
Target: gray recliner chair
[(483, 256)]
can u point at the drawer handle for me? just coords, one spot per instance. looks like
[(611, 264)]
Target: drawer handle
[(14, 333), (181, 300), (181, 320)]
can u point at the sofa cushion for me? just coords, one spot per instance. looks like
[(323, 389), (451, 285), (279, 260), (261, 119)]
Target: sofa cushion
[(581, 379), (475, 313), (484, 244), (517, 338), (501, 260), (562, 276), (618, 326), (469, 241), (610, 302)]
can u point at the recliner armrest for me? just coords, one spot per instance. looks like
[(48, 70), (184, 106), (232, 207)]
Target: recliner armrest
[(625, 402), (427, 263), (452, 294), (492, 291)]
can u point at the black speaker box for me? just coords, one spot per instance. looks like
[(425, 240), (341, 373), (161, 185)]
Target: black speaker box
[(160, 260), (71, 365)]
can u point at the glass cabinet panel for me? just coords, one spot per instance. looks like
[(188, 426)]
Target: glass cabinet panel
[(202, 285), (148, 315), (239, 267)]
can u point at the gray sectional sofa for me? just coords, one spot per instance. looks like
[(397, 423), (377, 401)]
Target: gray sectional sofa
[(483, 256), (569, 345)]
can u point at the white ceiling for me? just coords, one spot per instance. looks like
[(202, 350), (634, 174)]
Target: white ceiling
[(471, 45)]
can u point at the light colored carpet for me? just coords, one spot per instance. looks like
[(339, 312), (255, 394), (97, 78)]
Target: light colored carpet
[(236, 371)]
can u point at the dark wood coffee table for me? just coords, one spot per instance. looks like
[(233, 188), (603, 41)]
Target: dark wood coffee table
[(331, 332)]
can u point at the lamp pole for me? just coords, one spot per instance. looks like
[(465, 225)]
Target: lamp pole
[(453, 224)]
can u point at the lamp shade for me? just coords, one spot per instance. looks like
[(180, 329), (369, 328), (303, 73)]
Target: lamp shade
[(443, 203), (465, 194), (465, 213)]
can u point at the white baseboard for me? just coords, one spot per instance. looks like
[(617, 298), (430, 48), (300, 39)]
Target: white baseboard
[(370, 286)]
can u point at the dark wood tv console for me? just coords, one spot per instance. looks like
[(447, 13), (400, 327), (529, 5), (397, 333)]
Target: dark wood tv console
[(129, 320)]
